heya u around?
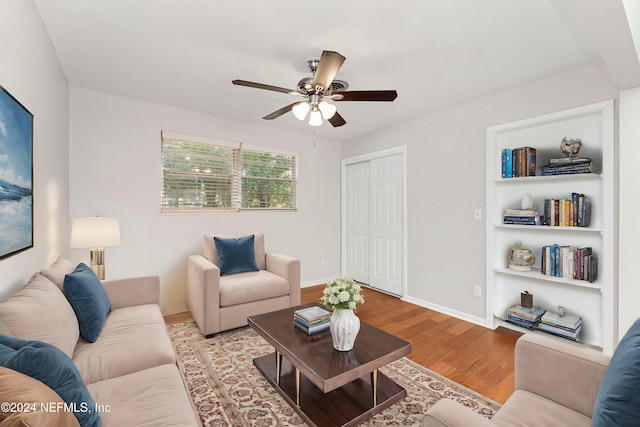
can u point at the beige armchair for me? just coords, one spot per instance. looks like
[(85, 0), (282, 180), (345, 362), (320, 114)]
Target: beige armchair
[(556, 384), (222, 302)]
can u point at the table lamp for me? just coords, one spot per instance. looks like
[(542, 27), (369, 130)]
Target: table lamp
[(95, 233)]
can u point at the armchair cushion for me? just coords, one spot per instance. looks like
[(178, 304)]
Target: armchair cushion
[(618, 401), (236, 255), (88, 299), (251, 286)]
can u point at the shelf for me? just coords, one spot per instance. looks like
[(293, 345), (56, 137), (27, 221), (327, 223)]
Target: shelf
[(542, 178), (535, 274), (501, 322), (548, 228), (594, 302)]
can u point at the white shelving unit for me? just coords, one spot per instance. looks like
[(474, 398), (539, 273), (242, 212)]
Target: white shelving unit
[(594, 302)]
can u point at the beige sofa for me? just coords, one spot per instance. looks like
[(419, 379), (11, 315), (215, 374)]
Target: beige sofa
[(130, 370), (219, 303), (556, 384)]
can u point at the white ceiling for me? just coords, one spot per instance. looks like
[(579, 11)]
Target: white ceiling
[(435, 53)]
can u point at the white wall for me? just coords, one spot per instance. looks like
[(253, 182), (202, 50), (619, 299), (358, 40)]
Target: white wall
[(115, 171), (446, 182), (30, 71), (629, 197)]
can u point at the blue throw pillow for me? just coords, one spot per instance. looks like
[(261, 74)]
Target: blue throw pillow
[(236, 255), (49, 365), (88, 299), (618, 401)]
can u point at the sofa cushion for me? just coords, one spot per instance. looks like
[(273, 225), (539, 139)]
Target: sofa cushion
[(252, 286), (57, 271), (88, 299), (39, 311), (152, 397), (211, 254), (29, 402), (235, 255), (52, 367), (133, 338), (524, 409), (618, 401)]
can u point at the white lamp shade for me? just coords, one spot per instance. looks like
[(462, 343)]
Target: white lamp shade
[(95, 232), (315, 119), (300, 110), (327, 110)]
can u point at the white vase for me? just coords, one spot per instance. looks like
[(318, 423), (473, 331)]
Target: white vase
[(344, 326)]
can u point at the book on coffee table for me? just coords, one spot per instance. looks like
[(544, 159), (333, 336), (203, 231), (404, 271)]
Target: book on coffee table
[(312, 329), (311, 315)]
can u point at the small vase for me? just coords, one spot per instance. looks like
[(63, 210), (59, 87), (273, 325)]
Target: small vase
[(344, 326)]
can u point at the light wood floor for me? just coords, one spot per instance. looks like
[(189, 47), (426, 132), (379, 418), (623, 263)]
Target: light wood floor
[(474, 356)]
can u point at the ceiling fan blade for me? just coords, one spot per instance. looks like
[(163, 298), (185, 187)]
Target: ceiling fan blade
[(280, 112), (337, 120), (261, 86), (366, 95), (328, 67)]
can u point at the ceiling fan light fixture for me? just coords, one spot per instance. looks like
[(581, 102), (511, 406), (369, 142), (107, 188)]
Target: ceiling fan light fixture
[(327, 110), (300, 110), (315, 118)]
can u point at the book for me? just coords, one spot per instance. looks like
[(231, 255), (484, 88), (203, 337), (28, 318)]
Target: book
[(312, 315), (312, 329), (522, 322), (569, 160), (520, 212), (522, 220), (568, 321), (526, 313), (561, 332)]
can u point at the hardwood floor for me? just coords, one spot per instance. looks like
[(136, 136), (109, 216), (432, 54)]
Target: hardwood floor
[(476, 357)]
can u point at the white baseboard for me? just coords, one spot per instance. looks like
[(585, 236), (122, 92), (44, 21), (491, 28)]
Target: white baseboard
[(316, 282), (449, 312)]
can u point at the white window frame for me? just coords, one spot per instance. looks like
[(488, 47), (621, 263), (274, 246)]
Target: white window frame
[(235, 176)]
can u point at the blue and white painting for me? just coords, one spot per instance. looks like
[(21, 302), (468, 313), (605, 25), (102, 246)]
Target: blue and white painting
[(16, 176)]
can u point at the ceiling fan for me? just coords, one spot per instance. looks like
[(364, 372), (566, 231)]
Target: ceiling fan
[(320, 88)]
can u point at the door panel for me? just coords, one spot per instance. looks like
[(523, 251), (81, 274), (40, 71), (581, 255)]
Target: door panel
[(358, 244), (386, 229)]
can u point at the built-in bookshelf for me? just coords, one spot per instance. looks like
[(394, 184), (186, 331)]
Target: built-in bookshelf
[(594, 301)]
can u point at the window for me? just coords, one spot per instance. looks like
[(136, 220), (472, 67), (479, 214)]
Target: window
[(199, 174)]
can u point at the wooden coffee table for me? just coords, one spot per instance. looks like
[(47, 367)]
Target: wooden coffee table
[(325, 386)]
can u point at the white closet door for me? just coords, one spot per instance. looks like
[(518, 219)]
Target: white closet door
[(374, 222), (358, 206), (386, 224)]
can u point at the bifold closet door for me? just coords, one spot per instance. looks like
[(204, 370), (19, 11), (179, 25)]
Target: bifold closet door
[(375, 215)]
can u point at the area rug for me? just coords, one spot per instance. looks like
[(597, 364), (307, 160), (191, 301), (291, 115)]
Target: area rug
[(227, 390)]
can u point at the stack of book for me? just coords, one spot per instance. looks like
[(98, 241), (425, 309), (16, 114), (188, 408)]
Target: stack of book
[(573, 212), (567, 326), (311, 319), (518, 162), (527, 317), (566, 165), (569, 262), (521, 217)]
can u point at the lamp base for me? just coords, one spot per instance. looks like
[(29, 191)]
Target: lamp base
[(97, 262)]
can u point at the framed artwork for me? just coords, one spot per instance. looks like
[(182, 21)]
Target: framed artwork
[(16, 176)]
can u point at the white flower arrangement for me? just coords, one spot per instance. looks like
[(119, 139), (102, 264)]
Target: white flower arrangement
[(342, 293)]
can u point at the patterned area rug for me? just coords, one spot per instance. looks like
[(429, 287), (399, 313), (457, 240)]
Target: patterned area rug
[(227, 390)]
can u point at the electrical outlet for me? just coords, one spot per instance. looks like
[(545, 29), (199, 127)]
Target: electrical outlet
[(477, 290)]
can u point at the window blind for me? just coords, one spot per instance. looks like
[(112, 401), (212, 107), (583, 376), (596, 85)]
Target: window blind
[(200, 174)]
